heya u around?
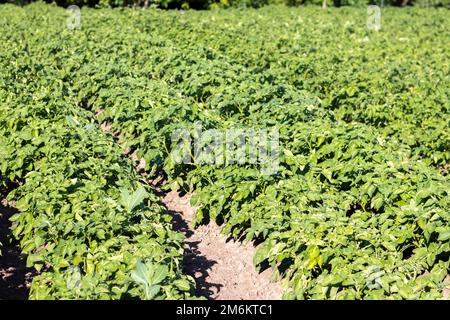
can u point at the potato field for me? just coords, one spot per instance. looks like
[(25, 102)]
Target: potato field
[(357, 208)]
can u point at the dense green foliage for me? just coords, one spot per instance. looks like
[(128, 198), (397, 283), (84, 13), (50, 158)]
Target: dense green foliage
[(360, 207), (216, 4), (86, 219)]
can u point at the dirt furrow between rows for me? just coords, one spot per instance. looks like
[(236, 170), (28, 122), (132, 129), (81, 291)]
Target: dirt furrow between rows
[(15, 277), (222, 269)]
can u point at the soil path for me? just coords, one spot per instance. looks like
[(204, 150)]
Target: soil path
[(222, 269), (15, 278)]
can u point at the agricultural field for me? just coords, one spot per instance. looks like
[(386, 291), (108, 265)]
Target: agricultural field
[(358, 208)]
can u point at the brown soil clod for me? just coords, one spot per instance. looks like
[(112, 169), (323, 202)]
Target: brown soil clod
[(445, 168), (223, 269)]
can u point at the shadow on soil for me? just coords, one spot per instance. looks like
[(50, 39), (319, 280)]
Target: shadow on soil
[(14, 276), (195, 264)]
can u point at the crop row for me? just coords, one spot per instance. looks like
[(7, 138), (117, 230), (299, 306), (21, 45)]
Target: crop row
[(87, 223)]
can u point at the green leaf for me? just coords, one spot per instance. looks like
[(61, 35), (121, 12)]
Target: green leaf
[(158, 273), (132, 201), (261, 253), (152, 291), (139, 274), (182, 284), (444, 235)]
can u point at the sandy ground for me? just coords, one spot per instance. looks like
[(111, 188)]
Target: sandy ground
[(446, 292), (222, 269)]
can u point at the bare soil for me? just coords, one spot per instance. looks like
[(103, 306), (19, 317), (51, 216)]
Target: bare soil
[(15, 278), (446, 292), (223, 270)]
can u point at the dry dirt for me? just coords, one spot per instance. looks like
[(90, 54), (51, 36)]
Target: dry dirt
[(222, 269), (446, 292)]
